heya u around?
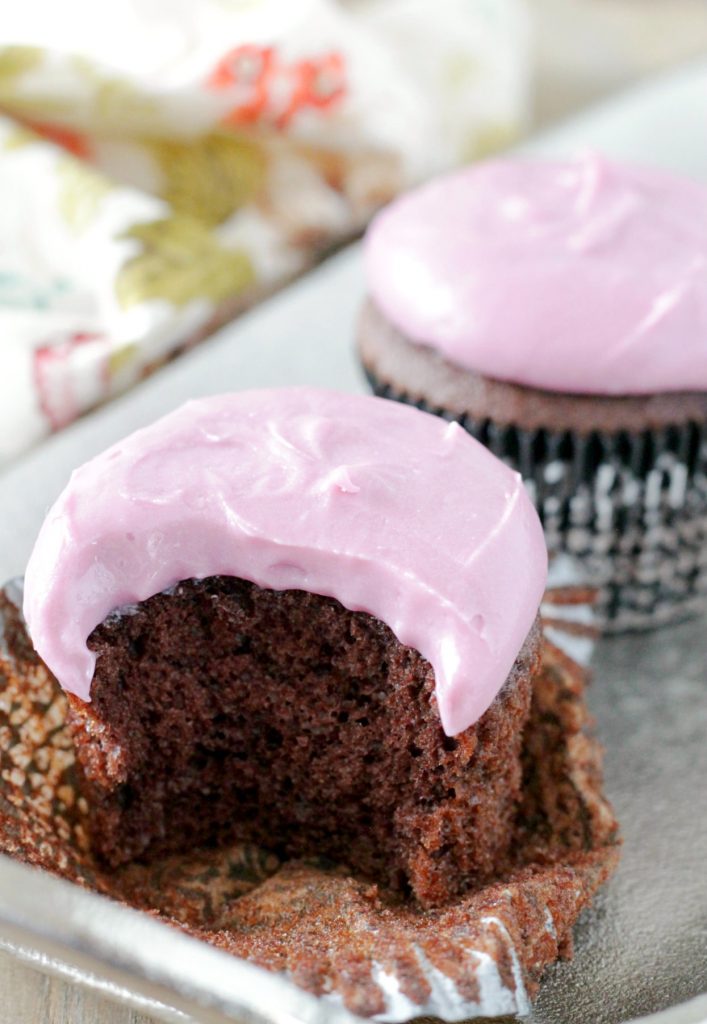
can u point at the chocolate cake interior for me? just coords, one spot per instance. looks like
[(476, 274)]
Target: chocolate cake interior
[(221, 710)]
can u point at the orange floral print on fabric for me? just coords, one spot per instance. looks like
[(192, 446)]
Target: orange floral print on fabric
[(248, 71), (73, 142), (267, 89), (320, 83)]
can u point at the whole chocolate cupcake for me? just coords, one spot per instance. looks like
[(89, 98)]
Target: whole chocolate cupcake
[(558, 311), (277, 622)]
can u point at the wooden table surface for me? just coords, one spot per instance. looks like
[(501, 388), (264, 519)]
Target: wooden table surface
[(29, 997)]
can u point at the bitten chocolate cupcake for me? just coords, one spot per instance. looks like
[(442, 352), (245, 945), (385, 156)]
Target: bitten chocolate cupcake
[(277, 621), (558, 311)]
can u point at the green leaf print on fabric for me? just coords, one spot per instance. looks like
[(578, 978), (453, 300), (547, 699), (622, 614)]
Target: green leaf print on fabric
[(181, 261), (122, 358), (15, 61), (116, 105), (208, 178), (81, 192)]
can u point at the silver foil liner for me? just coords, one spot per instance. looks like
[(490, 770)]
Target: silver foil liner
[(314, 923), (631, 509)]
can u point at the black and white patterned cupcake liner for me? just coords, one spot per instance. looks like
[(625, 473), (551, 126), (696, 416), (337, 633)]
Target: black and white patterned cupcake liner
[(630, 509)]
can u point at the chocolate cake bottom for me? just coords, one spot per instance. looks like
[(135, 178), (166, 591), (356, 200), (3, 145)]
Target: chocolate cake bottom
[(222, 711)]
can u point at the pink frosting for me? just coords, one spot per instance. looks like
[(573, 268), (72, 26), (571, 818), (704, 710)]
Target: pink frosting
[(391, 511), (582, 276)]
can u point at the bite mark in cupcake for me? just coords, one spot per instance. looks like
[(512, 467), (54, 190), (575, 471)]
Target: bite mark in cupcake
[(312, 616)]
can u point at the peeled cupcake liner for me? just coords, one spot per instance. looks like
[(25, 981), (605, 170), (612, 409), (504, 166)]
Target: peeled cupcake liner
[(630, 509), (311, 922)]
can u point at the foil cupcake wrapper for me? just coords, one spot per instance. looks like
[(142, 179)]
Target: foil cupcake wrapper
[(631, 510), (312, 922)]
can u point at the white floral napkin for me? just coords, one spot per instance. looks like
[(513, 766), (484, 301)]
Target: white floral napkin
[(165, 162)]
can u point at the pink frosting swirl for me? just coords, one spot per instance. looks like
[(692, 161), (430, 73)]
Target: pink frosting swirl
[(390, 510), (583, 276)]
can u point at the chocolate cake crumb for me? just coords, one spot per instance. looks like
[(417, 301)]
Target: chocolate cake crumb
[(222, 711)]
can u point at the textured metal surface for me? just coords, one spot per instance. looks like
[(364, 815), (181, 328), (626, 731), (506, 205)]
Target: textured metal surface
[(643, 947)]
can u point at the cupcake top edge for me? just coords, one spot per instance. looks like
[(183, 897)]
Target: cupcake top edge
[(581, 276), (389, 510)]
